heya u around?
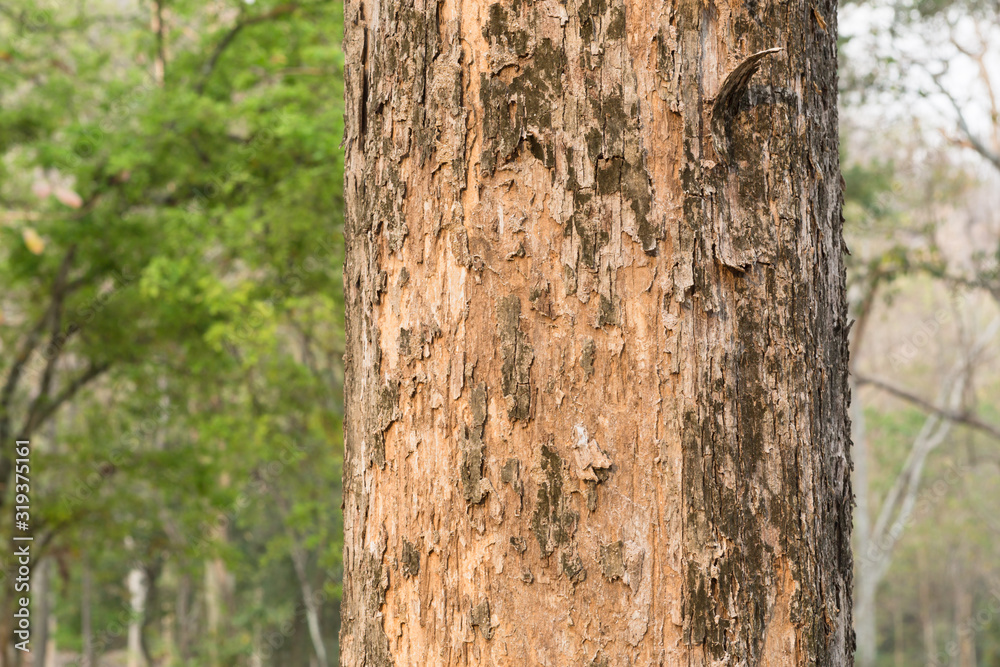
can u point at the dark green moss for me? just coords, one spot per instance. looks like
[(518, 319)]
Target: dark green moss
[(480, 617), (616, 26), (522, 110), (606, 315), (376, 643), (383, 415), (410, 561), (595, 143), (664, 56), (478, 403), (572, 567), (552, 522), (615, 122), (696, 607), (498, 31), (587, 358), (544, 153), (511, 474), (637, 190), (589, 226), (612, 560), (518, 356), (751, 397), (587, 11), (404, 343), (473, 450), (471, 471), (569, 273), (609, 175)]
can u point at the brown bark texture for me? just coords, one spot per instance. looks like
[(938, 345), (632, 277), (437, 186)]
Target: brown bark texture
[(596, 372)]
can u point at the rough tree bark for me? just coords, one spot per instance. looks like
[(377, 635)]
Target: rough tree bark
[(596, 383)]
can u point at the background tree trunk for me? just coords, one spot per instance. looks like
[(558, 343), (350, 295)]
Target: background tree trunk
[(965, 624), (86, 611), (926, 617), (868, 561), (45, 618), (596, 381), (217, 594), (137, 588)]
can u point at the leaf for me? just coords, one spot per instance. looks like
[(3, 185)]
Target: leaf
[(34, 242), (68, 197)]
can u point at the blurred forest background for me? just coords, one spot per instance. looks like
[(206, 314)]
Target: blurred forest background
[(171, 326)]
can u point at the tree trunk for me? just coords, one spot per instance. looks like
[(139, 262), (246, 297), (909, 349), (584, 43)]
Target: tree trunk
[(86, 608), (43, 595), (309, 600), (256, 659), (899, 632), (869, 554), (596, 382), (926, 615), (217, 589), (965, 625), (182, 610), (137, 588)]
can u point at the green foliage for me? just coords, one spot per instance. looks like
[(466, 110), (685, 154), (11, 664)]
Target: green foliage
[(198, 220), (868, 191)]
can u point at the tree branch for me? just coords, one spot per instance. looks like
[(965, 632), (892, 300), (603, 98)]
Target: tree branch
[(946, 413), (974, 141), (898, 505), (864, 311), (24, 354), (55, 347), (14, 376), (46, 410), (227, 39)]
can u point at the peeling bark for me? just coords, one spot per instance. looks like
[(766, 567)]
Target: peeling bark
[(596, 374)]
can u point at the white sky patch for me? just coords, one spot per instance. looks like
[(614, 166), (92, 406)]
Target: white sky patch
[(921, 71)]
